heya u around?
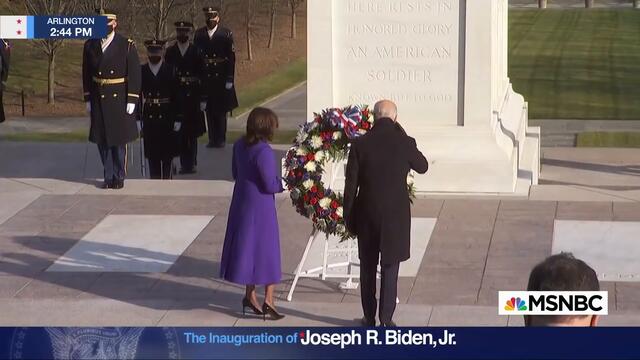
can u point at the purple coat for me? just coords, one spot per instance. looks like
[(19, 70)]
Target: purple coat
[(251, 252)]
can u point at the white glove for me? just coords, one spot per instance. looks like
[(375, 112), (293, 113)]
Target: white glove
[(139, 124), (88, 107), (229, 85), (177, 126), (203, 106), (131, 107)]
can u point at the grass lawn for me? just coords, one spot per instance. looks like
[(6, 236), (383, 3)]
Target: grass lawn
[(609, 139), (577, 63), (271, 85)]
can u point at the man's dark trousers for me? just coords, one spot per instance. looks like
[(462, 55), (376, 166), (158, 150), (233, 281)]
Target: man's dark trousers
[(217, 124), (388, 288), (189, 152), (113, 159)]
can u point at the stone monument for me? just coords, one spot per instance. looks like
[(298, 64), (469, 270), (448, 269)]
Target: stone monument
[(444, 62)]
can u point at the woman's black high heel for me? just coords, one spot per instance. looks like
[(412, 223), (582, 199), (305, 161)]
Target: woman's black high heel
[(268, 310), (246, 303)]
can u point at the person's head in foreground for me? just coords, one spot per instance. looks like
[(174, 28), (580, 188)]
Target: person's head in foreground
[(385, 109), (562, 272), (261, 125)]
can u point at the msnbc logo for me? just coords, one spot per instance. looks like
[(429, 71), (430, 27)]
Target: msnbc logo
[(515, 304), (553, 303)]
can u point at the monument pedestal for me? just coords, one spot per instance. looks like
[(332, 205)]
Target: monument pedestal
[(444, 63)]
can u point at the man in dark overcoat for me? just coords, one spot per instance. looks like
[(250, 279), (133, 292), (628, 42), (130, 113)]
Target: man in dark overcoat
[(111, 82), (188, 65), (215, 44), (377, 207)]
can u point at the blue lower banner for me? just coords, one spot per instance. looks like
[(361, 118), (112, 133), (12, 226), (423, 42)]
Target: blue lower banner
[(318, 343)]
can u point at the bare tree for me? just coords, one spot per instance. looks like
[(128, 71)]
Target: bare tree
[(89, 7), (272, 31), (294, 5), (160, 12), (542, 4), (249, 17), (50, 46)]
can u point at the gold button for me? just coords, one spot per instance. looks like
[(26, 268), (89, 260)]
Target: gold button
[(208, 75), (99, 72), (159, 116), (115, 95), (112, 71), (102, 96), (148, 94), (187, 73), (150, 116), (187, 83)]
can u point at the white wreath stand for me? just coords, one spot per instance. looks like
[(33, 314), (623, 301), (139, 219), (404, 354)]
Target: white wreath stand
[(323, 272)]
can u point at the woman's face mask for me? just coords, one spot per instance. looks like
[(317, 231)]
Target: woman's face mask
[(182, 38)]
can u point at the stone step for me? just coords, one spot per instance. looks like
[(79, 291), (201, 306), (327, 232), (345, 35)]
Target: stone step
[(558, 140)]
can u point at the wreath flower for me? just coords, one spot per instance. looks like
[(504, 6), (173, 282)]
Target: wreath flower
[(323, 140)]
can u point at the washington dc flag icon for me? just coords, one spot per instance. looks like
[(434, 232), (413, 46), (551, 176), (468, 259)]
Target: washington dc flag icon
[(16, 27)]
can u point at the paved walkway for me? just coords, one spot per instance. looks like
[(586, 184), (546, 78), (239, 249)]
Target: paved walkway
[(290, 106), (477, 247)]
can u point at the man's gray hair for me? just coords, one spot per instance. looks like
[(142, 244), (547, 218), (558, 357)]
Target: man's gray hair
[(385, 109)]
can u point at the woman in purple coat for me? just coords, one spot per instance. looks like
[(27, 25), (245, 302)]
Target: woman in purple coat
[(251, 252)]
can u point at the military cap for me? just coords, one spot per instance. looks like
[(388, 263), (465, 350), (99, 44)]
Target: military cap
[(211, 9), (154, 44), (183, 25), (110, 15)]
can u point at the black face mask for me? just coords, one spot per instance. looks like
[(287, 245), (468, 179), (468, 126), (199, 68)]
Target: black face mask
[(154, 59), (211, 23), (109, 29), (182, 38)]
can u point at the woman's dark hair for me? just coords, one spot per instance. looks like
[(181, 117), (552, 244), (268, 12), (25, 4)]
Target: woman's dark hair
[(261, 125)]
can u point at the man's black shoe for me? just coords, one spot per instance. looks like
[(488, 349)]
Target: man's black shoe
[(106, 185), (119, 184), (187, 171), (367, 322)]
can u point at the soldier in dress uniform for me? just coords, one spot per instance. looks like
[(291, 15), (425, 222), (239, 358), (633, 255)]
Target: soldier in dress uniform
[(215, 44), (111, 81), (160, 126), (4, 72), (187, 63)]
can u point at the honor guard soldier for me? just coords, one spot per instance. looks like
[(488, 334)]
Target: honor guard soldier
[(111, 81), (187, 63), (4, 72), (159, 124), (215, 44)]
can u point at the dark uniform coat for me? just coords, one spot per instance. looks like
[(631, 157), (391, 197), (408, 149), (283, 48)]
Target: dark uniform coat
[(159, 112), (219, 66), (188, 96), (376, 200), (4, 72), (111, 80)]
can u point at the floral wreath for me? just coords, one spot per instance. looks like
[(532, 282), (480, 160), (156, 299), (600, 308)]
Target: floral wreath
[(318, 142)]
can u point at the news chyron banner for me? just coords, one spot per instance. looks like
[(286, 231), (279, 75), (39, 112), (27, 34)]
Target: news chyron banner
[(319, 343), (52, 27)]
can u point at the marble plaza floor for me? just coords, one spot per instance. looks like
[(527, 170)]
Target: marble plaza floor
[(71, 254)]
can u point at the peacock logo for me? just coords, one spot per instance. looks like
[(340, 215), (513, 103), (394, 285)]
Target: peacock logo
[(515, 304)]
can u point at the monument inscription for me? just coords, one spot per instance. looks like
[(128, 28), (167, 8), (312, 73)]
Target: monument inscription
[(403, 50)]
